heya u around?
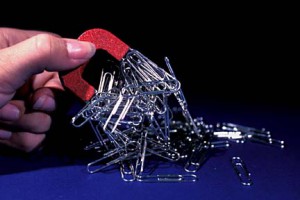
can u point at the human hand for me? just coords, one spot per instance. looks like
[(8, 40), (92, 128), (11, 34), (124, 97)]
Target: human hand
[(29, 65)]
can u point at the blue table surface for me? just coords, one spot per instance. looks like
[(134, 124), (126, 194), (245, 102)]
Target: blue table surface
[(274, 171)]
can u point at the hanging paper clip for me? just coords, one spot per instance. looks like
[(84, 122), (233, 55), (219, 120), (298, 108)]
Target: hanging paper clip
[(103, 40)]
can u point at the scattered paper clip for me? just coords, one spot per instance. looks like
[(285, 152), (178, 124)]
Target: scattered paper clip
[(168, 178), (242, 171)]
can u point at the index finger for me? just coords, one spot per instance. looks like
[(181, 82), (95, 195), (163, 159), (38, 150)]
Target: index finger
[(12, 36)]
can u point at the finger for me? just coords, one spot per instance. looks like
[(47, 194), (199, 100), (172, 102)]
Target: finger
[(5, 134), (30, 121), (43, 99), (10, 112), (45, 85), (47, 79), (36, 54), (35, 122), (24, 141), (12, 36)]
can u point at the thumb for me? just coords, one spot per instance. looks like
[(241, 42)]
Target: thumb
[(36, 54)]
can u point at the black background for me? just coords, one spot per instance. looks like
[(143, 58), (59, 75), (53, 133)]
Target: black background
[(236, 53)]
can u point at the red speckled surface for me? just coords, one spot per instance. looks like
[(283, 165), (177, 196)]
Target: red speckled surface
[(104, 40)]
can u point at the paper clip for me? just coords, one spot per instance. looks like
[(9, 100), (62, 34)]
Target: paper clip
[(242, 171), (168, 178)]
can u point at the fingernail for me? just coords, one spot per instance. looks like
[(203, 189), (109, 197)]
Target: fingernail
[(10, 112), (5, 135), (45, 103), (80, 49)]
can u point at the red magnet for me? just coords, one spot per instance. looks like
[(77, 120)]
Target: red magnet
[(104, 40)]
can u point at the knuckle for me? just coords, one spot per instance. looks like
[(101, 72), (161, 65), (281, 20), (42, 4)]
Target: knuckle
[(44, 43)]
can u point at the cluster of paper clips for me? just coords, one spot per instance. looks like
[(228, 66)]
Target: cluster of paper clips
[(140, 111)]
